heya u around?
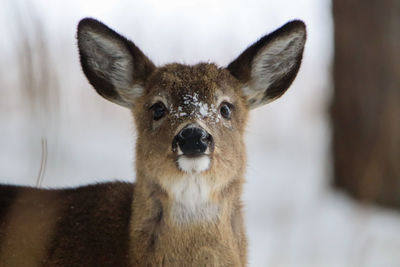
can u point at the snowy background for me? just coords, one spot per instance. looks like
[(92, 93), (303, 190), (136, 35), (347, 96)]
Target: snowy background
[(293, 217)]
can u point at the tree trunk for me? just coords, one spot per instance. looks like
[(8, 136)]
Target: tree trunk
[(366, 101)]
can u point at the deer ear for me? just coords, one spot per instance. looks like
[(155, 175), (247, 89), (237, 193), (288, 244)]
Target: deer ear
[(115, 67), (268, 67)]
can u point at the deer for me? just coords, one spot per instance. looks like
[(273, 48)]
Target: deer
[(185, 207)]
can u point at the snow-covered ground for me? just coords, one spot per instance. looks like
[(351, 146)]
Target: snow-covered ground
[(293, 217)]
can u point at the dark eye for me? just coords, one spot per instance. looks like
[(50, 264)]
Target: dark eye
[(226, 110), (158, 110)]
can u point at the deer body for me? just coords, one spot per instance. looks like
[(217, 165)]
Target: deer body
[(185, 207)]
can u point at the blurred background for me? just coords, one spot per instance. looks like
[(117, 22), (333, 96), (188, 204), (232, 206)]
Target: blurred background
[(323, 179)]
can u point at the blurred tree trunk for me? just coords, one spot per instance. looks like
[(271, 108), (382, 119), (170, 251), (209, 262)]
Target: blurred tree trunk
[(366, 101)]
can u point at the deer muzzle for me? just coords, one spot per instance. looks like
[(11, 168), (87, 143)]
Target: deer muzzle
[(192, 141)]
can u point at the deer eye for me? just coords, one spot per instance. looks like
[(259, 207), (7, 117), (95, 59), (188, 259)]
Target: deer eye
[(226, 110), (158, 110)]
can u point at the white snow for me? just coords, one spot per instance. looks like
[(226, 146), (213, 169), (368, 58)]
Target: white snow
[(197, 109)]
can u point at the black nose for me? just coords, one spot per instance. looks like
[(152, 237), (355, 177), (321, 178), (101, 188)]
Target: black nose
[(192, 140)]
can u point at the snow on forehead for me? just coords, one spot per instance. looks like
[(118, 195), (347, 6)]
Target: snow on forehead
[(197, 108)]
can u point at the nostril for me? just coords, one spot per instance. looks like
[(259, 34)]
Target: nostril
[(204, 135), (208, 139)]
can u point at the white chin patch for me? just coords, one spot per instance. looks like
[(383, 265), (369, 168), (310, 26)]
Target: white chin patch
[(195, 164)]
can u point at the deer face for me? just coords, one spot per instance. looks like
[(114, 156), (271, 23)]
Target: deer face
[(190, 119)]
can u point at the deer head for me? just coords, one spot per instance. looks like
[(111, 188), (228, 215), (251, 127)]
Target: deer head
[(190, 120)]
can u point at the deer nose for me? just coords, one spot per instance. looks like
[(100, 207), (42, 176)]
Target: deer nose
[(192, 140)]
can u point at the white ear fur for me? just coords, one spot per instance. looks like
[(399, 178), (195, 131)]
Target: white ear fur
[(115, 67), (109, 59), (268, 67), (272, 63)]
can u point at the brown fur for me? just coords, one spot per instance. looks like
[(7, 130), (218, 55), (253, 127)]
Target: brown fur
[(155, 222), (30, 221), (86, 226), (203, 244)]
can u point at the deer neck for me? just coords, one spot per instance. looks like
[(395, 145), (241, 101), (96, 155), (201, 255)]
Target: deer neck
[(187, 216), (188, 201)]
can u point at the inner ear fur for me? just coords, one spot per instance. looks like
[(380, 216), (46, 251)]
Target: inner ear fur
[(114, 66), (268, 67)]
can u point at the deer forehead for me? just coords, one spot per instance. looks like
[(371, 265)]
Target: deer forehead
[(192, 91), (191, 85)]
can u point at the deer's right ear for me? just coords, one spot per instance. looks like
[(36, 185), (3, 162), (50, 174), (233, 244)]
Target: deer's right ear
[(115, 67), (268, 67)]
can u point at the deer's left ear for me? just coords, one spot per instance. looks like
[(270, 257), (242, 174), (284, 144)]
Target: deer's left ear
[(115, 66), (268, 67)]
